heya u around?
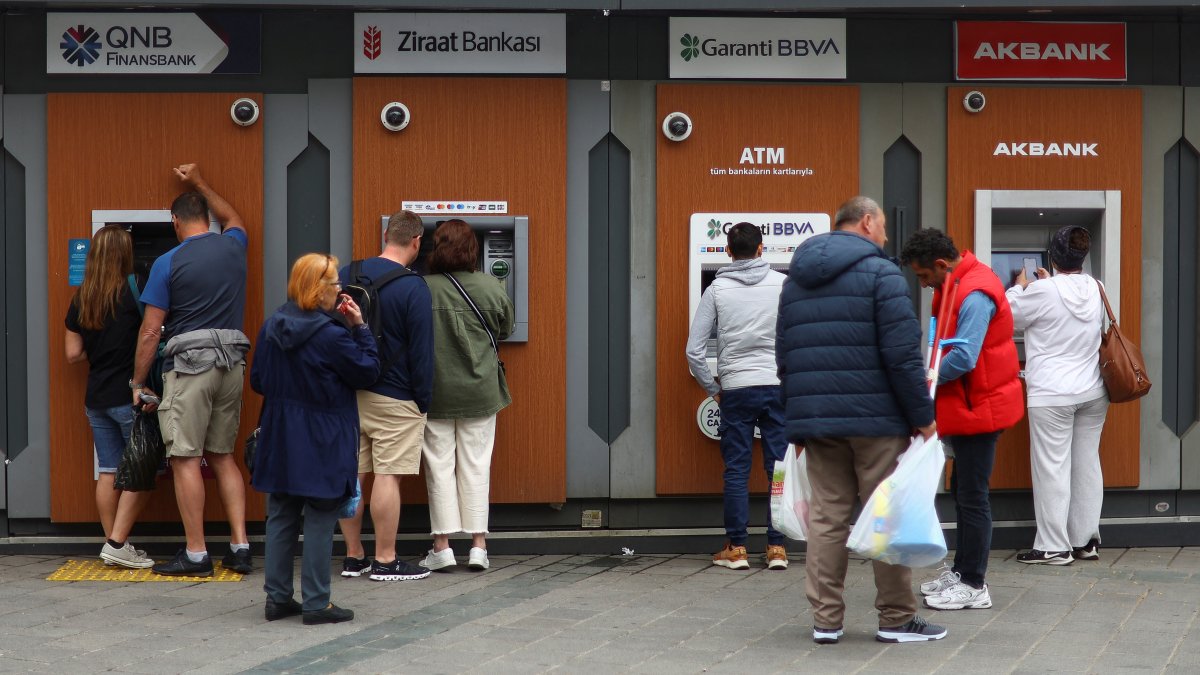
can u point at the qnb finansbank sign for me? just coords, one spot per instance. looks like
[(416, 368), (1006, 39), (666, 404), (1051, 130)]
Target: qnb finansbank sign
[(798, 49), (460, 43), (151, 43)]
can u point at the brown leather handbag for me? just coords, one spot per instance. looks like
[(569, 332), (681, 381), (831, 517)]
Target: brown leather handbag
[(1121, 362)]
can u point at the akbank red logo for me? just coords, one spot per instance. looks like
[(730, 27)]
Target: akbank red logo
[(80, 45), (372, 42)]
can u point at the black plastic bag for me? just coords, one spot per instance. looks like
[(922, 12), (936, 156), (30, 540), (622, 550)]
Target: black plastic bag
[(143, 454)]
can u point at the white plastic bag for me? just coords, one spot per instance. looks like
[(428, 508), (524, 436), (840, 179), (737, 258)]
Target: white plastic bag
[(899, 524), (790, 494)]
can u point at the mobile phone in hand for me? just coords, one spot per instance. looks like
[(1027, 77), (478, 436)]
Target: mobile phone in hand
[(1031, 268)]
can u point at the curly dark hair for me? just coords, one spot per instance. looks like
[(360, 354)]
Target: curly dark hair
[(926, 246)]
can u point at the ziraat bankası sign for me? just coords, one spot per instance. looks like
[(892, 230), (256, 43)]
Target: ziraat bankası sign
[(152, 43), (460, 43), (758, 48)]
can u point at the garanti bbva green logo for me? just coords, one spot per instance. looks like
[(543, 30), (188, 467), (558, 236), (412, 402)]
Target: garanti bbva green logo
[(691, 46), (714, 228)]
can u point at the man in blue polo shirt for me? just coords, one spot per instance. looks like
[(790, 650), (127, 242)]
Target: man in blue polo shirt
[(195, 298)]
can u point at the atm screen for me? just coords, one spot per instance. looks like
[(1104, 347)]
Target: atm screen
[(1007, 264), (708, 272), (150, 240)]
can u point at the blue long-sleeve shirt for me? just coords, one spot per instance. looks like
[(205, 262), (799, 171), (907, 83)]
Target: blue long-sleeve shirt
[(974, 315)]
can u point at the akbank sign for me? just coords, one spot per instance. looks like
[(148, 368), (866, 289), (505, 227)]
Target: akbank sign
[(800, 49), (460, 43), (88, 43)]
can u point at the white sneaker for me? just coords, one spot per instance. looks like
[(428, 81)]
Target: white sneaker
[(107, 563), (126, 556), (946, 579), (478, 559), (961, 596), (437, 560)]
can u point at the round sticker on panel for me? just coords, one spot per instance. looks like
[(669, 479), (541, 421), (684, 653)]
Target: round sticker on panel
[(708, 416)]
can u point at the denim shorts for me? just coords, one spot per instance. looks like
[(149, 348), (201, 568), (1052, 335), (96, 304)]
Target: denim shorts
[(110, 430)]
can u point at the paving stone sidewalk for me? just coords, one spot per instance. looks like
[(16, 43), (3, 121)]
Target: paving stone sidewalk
[(1133, 611)]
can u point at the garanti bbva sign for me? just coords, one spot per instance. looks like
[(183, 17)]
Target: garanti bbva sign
[(176, 43), (803, 49), (460, 43)]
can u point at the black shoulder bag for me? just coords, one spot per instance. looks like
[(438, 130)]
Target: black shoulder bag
[(478, 315)]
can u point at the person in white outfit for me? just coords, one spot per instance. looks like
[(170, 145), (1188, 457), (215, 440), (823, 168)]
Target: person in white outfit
[(1062, 316), (741, 304)]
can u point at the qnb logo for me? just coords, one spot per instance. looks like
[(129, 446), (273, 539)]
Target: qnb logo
[(691, 46), (372, 42), (80, 45), (714, 228)]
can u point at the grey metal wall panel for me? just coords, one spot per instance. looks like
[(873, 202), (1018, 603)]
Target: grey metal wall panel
[(13, 243), (330, 110), (633, 452), (587, 453), (1181, 180), (880, 123), (29, 474), (925, 128), (308, 202), (1162, 126), (1179, 111), (285, 135)]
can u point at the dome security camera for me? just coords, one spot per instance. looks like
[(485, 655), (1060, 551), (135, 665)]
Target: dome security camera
[(244, 112), (677, 126), (974, 101), (395, 116)]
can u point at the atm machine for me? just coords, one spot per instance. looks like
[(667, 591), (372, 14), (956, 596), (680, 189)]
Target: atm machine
[(503, 254), (152, 231), (1013, 225), (782, 234)]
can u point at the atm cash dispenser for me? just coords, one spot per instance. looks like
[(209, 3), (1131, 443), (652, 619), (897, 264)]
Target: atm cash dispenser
[(782, 233), (152, 231), (503, 254)]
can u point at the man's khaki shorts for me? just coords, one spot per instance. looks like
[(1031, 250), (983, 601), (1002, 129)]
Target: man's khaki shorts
[(389, 435), (200, 413)]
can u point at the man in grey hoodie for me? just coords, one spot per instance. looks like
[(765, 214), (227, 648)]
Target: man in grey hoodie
[(742, 303)]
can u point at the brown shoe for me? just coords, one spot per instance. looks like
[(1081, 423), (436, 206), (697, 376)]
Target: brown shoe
[(776, 558), (733, 557)]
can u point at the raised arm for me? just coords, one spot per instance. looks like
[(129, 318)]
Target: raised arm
[(221, 209)]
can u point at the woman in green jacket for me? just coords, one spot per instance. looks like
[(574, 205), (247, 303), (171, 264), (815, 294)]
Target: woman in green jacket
[(468, 390)]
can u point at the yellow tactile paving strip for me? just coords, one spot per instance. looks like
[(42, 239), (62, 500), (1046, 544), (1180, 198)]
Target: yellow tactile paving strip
[(96, 570)]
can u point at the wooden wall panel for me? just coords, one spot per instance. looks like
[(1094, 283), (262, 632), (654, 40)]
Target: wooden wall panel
[(116, 151), (818, 126), (1108, 116), (485, 138)]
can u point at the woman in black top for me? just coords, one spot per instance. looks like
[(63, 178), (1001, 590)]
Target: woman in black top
[(102, 325)]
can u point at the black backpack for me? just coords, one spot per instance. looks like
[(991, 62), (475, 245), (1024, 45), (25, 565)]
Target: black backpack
[(364, 291)]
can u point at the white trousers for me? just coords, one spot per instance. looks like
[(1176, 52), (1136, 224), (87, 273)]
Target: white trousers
[(1068, 488), (458, 473)]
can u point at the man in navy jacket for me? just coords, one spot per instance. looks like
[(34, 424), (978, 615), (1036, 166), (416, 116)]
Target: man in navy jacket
[(848, 348)]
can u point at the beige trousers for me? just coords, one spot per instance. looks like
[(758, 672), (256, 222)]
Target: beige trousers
[(844, 472), (458, 473)]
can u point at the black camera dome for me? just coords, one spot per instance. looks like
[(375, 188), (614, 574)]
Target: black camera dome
[(677, 125), (395, 116)]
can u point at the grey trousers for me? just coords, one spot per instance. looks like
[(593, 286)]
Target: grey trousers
[(283, 530), (1068, 488)]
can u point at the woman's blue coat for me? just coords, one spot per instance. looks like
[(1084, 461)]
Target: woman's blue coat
[(307, 367)]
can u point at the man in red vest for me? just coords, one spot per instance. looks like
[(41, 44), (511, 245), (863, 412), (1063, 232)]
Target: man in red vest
[(979, 395)]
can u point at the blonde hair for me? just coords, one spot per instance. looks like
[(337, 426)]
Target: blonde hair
[(109, 262), (310, 272)]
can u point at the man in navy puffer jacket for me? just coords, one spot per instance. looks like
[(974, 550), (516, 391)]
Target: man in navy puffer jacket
[(848, 348)]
